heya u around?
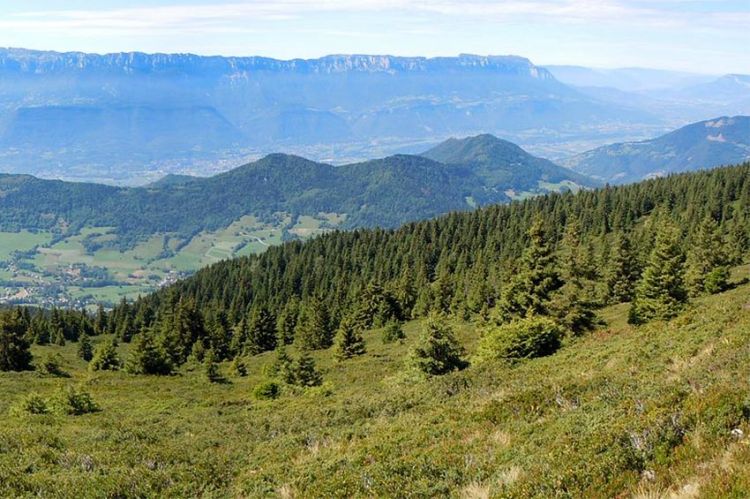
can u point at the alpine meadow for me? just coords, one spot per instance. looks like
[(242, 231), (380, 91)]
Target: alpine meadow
[(301, 275)]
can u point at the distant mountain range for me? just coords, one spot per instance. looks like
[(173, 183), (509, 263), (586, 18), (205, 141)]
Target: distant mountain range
[(678, 98), (131, 117), (384, 192), (627, 79), (706, 144)]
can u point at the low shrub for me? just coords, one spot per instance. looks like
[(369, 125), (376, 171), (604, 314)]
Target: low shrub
[(52, 366), (74, 402), (393, 332), (267, 390), (521, 339), (31, 403)]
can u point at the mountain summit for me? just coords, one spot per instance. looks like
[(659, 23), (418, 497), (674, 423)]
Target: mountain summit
[(501, 163)]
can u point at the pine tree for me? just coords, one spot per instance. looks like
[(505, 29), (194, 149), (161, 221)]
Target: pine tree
[(125, 329), (349, 340), (573, 303), (146, 357), (105, 357), (530, 289), (15, 352), (39, 331), (261, 331), (218, 334), (211, 367), (287, 321), (305, 372), (314, 330), (437, 352), (85, 350), (660, 294), (282, 366), (621, 272), (239, 339), (707, 264)]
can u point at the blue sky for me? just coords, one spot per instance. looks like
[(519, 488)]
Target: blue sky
[(707, 36)]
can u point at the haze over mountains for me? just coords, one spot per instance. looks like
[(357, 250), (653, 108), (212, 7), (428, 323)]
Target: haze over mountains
[(676, 97), (131, 117), (707, 144)]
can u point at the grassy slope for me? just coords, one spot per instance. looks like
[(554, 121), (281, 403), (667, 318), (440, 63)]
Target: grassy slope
[(586, 422)]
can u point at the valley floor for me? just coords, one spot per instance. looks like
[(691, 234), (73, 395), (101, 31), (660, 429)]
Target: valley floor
[(657, 411)]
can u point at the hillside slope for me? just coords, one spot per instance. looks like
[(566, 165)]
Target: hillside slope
[(706, 144), (624, 411)]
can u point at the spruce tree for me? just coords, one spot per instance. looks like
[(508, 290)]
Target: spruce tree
[(660, 294), (437, 352), (105, 356), (211, 367), (287, 321), (530, 289), (314, 330), (283, 365), (125, 329), (218, 335), (621, 271), (574, 302), (239, 339), (349, 340), (238, 367), (305, 372), (707, 264), (146, 357), (15, 353), (85, 350), (261, 335)]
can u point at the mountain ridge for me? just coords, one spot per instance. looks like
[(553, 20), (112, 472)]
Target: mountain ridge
[(380, 192), (705, 144)]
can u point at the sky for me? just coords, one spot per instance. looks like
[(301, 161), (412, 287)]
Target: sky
[(703, 36)]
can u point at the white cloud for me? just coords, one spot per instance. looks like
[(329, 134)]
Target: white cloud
[(211, 16)]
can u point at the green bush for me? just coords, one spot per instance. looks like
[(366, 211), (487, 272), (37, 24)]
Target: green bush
[(52, 365), (31, 403), (717, 280), (238, 367), (74, 402), (521, 339), (393, 332), (267, 390)]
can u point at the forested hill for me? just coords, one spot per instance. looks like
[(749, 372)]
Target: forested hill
[(583, 250), (385, 192), (501, 163)]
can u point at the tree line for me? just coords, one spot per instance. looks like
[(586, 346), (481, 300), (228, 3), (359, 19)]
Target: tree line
[(534, 266)]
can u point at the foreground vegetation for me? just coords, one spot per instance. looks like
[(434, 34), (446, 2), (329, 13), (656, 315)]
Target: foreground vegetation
[(571, 345), (626, 410)]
